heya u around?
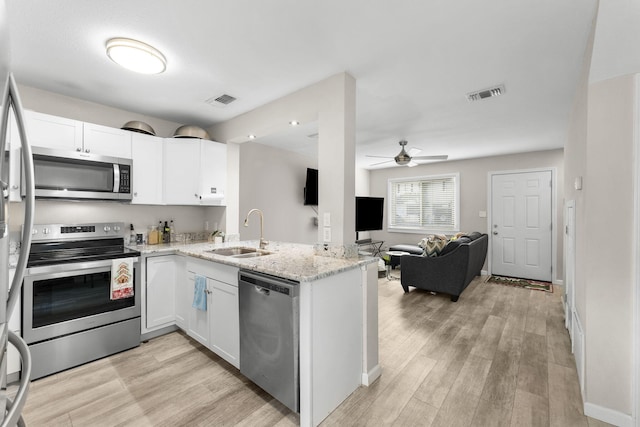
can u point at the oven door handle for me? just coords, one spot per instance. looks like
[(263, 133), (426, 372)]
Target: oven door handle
[(75, 266)]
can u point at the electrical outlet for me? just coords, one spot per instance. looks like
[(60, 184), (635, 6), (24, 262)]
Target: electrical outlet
[(327, 234)]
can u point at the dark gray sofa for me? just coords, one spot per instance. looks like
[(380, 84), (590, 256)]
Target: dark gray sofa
[(450, 272)]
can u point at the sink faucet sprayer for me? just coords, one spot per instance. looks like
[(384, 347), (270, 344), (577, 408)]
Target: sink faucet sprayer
[(263, 243)]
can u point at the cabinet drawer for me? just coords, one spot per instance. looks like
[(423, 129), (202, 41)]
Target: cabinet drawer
[(213, 270)]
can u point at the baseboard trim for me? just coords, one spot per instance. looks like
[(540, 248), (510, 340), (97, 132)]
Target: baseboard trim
[(558, 282), (369, 378), (608, 415), (484, 273), (158, 332)]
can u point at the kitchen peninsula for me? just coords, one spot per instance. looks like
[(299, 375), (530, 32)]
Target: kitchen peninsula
[(338, 323)]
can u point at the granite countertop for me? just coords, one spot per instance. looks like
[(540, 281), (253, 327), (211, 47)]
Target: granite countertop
[(303, 263)]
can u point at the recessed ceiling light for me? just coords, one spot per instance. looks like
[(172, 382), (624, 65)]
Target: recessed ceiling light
[(136, 56), (252, 136), (294, 123)]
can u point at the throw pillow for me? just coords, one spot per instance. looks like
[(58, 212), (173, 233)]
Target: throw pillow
[(432, 245)]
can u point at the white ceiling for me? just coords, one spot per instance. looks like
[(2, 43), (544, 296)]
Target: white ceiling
[(414, 62)]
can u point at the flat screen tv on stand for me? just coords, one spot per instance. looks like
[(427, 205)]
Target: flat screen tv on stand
[(369, 214), (311, 188)]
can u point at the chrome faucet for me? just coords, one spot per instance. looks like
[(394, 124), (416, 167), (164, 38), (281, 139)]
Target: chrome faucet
[(263, 243)]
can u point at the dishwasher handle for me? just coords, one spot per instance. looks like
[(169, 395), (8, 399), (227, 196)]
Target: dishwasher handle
[(262, 290), (266, 284)]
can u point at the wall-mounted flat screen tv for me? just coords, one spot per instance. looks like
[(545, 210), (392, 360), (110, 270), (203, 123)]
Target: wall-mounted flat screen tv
[(369, 212), (311, 187)]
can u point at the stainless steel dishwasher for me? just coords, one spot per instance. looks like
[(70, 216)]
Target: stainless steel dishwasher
[(269, 335)]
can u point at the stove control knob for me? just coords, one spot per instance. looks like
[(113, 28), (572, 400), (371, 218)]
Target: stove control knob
[(34, 231), (116, 228), (45, 231), (107, 228)]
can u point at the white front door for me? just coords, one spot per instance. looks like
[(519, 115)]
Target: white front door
[(521, 225)]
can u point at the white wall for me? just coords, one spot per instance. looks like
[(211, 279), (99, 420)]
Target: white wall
[(272, 180), (186, 218), (331, 103), (363, 182), (609, 239), (600, 149), (473, 190), (86, 111)]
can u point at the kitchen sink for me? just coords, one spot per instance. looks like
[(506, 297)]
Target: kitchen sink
[(252, 254), (239, 252)]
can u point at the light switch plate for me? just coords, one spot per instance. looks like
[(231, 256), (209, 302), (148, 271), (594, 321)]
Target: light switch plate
[(327, 219), (482, 214), (327, 234)]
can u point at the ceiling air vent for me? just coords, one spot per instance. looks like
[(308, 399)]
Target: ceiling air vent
[(485, 93), (220, 101)]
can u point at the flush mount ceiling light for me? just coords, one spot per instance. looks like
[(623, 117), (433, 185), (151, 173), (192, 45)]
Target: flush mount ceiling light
[(294, 123), (136, 56)]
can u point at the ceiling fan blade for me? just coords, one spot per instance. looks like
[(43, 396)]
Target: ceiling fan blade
[(380, 157), (413, 151), (440, 157), (381, 163)]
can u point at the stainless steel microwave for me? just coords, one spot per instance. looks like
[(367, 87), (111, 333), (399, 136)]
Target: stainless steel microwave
[(61, 174)]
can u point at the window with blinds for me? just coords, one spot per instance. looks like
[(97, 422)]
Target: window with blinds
[(424, 204)]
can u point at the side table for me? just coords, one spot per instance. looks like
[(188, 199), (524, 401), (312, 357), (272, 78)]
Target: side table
[(388, 266)]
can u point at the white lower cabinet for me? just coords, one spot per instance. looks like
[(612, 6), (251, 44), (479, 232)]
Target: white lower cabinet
[(169, 295), (161, 276), (198, 323), (218, 328), (224, 321)]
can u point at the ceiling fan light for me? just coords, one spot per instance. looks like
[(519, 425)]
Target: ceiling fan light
[(402, 159), (136, 56)]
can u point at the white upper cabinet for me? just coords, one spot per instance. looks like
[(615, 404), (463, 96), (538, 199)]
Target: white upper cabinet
[(147, 178), (213, 173), (107, 141), (181, 171), (195, 172), (49, 131)]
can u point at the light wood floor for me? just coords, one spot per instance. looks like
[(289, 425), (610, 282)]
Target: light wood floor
[(500, 356)]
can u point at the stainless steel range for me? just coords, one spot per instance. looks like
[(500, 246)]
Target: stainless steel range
[(71, 313)]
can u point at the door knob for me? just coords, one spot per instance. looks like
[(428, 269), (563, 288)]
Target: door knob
[(495, 233)]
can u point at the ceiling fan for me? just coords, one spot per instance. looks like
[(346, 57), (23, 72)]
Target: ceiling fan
[(403, 158)]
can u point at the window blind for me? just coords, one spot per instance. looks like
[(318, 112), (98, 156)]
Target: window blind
[(426, 203)]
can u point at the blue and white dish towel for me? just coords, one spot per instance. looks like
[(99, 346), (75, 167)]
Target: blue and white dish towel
[(199, 294)]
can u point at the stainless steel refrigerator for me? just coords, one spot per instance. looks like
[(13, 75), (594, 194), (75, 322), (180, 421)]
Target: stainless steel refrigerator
[(11, 409)]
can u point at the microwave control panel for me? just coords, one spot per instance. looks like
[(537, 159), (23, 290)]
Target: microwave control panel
[(125, 179)]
